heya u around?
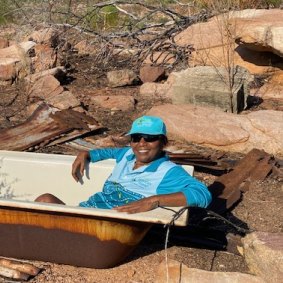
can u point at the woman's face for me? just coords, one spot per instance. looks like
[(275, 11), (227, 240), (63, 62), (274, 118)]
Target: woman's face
[(146, 148)]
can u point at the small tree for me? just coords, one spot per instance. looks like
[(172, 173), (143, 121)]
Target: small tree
[(227, 30)]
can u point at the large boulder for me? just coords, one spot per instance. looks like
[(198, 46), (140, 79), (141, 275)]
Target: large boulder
[(254, 61), (256, 22), (150, 73), (273, 89), (122, 77), (212, 86), (17, 51), (58, 72), (204, 85), (172, 271), (224, 131), (202, 35), (249, 30), (64, 100), (49, 90), (15, 62), (159, 90), (264, 255), (8, 70), (261, 30), (49, 36), (44, 88), (44, 59)]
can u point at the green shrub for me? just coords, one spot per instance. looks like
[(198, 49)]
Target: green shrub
[(274, 3), (222, 5), (110, 15), (5, 12), (104, 18)]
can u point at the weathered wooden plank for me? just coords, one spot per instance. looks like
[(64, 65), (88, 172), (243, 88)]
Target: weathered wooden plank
[(23, 267), (13, 274), (259, 173), (199, 161), (226, 189)]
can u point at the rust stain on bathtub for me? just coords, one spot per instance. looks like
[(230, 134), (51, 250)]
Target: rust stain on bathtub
[(128, 233), (55, 245), (68, 239)]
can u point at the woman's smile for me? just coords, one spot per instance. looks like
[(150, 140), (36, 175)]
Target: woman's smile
[(146, 152), (143, 150)]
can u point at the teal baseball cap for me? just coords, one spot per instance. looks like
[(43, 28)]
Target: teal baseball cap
[(149, 125)]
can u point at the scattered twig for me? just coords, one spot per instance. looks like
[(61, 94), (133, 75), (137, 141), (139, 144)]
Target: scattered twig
[(157, 21)]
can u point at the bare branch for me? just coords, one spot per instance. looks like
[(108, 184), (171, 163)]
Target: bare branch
[(125, 12)]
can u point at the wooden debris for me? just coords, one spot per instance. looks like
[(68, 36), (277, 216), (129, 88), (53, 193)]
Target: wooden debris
[(202, 162), (227, 189), (259, 172), (22, 267), (13, 274), (47, 126)]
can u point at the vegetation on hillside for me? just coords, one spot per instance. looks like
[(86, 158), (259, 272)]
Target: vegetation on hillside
[(114, 14)]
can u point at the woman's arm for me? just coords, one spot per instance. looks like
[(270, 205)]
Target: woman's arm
[(177, 188), (149, 203), (178, 180), (94, 155)]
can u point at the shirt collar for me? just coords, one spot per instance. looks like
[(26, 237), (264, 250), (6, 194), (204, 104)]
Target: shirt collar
[(152, 167)]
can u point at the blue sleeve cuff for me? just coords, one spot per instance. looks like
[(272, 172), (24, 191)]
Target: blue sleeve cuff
[(178, 180)]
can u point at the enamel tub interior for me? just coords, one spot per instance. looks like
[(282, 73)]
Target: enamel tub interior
[(67, 234)]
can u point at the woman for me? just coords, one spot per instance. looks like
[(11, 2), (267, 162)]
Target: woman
[(143, 177)]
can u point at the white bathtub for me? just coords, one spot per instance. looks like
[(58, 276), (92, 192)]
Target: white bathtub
[(65, 233)]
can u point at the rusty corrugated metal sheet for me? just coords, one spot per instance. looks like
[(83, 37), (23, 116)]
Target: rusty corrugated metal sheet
[(47, 126)]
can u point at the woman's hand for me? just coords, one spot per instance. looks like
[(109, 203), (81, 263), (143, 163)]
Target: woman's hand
[(79, 164)]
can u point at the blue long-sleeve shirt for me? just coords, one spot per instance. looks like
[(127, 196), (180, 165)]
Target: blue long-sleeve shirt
[(161, 176)]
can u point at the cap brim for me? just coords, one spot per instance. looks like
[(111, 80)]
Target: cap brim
[(145, 133)]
